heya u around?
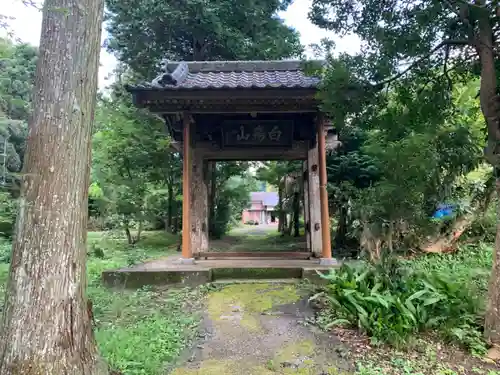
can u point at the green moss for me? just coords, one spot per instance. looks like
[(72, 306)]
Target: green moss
[(214, 367), (296, 350), (247, 299)]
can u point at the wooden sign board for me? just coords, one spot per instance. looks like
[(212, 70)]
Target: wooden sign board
[(257, 133)]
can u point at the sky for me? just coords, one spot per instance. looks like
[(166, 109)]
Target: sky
[(25, 24)]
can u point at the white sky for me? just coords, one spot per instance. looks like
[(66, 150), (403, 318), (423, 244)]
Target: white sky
[(26, 24)]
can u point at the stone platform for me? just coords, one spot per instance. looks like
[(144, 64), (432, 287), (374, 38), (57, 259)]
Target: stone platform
[(167, 271)]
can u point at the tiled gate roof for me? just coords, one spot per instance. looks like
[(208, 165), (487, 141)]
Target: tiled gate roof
[(231, 75)]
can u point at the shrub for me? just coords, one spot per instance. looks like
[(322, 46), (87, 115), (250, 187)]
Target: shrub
[(391, 304), (5, 251), (8, 211), (484, 226)]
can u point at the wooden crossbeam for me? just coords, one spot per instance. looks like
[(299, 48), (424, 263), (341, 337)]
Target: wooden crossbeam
[(256, 254)]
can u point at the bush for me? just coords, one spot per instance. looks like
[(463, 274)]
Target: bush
[(8, 211), (484, 227), (5, 251), (391, 304)]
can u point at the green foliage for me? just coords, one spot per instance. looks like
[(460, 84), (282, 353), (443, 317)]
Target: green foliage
[(394, 167), (17, 77), (411, 92), (469, 266), (130, 150), (392, 304), (17, 70), (143, 331), (145, 32), (8, 213), (231, 196)]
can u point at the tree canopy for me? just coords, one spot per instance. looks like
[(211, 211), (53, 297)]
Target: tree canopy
[(142, 33)]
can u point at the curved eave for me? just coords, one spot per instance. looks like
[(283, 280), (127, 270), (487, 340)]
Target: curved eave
[(262, 99)]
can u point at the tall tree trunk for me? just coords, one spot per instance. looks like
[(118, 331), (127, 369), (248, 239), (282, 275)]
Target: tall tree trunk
[(492, 321), (490, 108), (46, 326)]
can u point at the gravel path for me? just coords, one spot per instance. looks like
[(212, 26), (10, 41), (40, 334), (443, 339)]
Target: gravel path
[(261, 329)]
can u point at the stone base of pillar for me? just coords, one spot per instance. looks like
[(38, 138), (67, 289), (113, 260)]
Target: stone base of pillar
[(328, 262), (185, 261)]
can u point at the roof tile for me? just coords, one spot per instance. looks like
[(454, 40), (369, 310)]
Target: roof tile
[(230, 75)]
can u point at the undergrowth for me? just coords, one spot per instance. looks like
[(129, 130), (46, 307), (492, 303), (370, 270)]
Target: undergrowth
[(392, 302), (138, 331)]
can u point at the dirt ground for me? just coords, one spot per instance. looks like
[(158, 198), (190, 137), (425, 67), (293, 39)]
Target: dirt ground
[(268, 329)]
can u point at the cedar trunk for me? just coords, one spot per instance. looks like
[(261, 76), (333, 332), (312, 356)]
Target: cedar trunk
[(46, 326), (492, 322), (489, 107)]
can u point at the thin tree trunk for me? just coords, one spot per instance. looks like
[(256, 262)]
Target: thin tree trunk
[(296, 214), (170, 208), (341, 233), (139, 231), (46, 327), (281, 215), (126, 226)]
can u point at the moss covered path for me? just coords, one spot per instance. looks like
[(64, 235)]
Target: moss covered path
[(261, 329)]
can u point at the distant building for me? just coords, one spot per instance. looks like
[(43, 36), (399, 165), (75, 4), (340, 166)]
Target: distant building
[(262, 209)]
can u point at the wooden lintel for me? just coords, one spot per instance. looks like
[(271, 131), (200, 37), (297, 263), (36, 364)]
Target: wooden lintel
[(238, 108), (211, 152), (226, 93), (256, 254)]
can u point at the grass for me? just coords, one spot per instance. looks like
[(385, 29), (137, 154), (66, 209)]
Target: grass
[(470, 266), (145, 331), (138, 332), (268, 240)]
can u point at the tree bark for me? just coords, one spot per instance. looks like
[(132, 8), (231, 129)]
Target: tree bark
[(212, 187), (492, 321), (170, 208), (126, 226), (281, 215), (490, 108), (46, 327), (341, 233), (296, 214)]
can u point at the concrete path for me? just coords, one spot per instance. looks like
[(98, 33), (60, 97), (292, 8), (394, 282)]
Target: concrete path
[(261, 329)]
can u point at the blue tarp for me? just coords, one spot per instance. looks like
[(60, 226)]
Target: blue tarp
[(444, 211)]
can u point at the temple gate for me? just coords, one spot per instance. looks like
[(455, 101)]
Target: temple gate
[(241, 110)]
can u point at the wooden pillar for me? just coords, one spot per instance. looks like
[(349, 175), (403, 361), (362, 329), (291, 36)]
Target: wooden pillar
[(187, 253), (307, 223), (325, 217), (199, 202), (314, 201)]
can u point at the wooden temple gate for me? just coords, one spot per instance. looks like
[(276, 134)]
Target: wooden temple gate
[(241, 110)]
